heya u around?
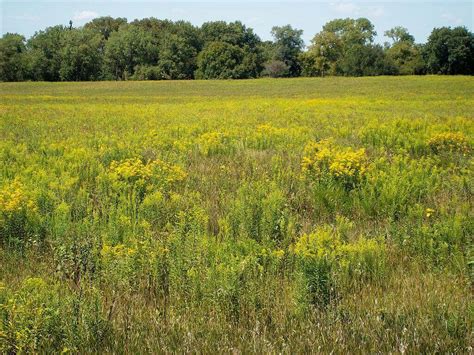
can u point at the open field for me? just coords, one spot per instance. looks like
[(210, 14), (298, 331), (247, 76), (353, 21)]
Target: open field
[(299, 215)]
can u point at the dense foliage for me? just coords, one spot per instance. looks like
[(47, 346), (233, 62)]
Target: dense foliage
[(109, 48), (259, 216)]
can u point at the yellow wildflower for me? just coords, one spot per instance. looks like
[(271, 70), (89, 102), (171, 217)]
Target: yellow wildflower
[(429, 212), (325, 158), (449, 142)]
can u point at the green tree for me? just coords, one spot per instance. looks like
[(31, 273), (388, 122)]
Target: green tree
[(178, 45), (344, 47), (399, 34), (12, 57), (450, 51), (352, 31), (105, 25), (191, 34), (403, 51), (366, 60), (268, 50), (44, 57), (177, 58), (234, 33), (222, 60), (288, 47), (128, 48), (323, 55), (154, 26), (231, 50), (81, 57)]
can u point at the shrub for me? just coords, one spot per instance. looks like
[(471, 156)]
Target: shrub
[(147, 72), (362, 261), (402, 135), (276, 69), (117, 261)]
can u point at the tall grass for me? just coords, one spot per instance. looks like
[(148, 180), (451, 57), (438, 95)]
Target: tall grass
[(305, 215)]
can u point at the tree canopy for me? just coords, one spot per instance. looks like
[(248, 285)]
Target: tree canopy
[(108, 48), (288, 46), (450, 51)]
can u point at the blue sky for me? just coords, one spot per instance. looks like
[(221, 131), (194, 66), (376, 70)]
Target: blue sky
[(420, 17)]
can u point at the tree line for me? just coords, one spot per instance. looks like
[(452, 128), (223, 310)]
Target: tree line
[(109, 48)]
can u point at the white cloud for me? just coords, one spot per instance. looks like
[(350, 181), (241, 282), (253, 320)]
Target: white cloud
[(85, 15), (452, 19)]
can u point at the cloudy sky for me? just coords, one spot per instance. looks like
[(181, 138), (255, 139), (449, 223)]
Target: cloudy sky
[(420, 17)]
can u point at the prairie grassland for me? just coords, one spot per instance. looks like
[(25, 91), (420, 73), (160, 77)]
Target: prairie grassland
[(302, 215)]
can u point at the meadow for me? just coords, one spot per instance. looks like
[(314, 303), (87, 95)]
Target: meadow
[(269, 216)]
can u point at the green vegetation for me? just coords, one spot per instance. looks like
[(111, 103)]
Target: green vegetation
[(109, 48), (298, 215)]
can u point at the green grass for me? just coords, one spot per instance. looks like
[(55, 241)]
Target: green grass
[(213, 216)]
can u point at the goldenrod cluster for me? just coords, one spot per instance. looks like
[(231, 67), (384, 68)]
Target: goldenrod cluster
[(363, 258), (343, 163), (322, 243), (277, 254), (117, 251), (449, 142), (14, 199), (134, 171), (213, 142), (266, 136), (326, 243), (131, 170), (355, 251), (266, 131)]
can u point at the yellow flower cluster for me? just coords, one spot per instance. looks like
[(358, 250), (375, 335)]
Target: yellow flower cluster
[(343, 163), (359, 248), (322, 243), (266, 130), (135, 171), (117, 251), (349, 164), (131, 170), (449, 142), (14, 199), (429, 212), (213, 142), (266, 136), (363, 257), (277, 254)]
